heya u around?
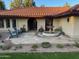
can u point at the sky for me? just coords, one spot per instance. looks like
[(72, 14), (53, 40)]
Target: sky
[(48, 3)]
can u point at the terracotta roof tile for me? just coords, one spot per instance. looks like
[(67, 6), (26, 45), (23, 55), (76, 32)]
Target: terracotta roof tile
[(35, 11)]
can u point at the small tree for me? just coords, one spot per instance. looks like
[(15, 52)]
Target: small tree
[(66, 4), (22, 4), (2, 5)]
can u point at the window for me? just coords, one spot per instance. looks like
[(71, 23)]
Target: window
[(1, 23), (14, 23), (7, 23), (68, 19)]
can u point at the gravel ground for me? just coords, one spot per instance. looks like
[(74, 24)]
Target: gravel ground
[(28, 39), (27, 48), (4, 35), (31, 38)]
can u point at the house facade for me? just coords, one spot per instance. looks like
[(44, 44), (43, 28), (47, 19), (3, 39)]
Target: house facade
[(47, 17)]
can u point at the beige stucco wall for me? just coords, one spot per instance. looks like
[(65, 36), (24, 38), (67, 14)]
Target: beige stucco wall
[(68, 27), (76, 27), (56, 23), (21, 22), (40, 22)]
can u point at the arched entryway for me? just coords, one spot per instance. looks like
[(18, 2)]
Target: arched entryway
[(32, 24)]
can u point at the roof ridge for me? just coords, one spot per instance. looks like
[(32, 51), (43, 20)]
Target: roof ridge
[(38, 7)]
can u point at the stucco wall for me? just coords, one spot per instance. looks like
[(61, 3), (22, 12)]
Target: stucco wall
[(56, 23), (40, 22), (68, 27), (21, 22), (76, 27)]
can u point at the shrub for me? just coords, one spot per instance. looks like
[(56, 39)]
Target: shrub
[(34, 47), (58, 29), (6, 47), (60, 45), (76, 44), (0, 46), (23, 30), (18, 46), (2, 41), (41, 29), (46, 45)]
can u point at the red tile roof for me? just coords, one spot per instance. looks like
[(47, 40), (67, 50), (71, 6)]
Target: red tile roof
[(73, 11), (35, 11)]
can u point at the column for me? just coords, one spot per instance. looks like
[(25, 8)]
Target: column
[(11, 23), (4, 23), (26, 24)]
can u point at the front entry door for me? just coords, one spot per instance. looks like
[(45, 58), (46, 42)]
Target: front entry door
[(32, 24)]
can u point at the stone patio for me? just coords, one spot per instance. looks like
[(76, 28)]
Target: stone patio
[(4, 35), (31, 38)]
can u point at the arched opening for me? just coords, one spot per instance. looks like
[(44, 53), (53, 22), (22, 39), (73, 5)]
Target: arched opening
[(32, 24)]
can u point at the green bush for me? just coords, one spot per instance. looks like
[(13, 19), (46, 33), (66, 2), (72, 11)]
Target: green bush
[(58, 29), (60, 45), (0, 46), (18, 46), (34, 47), (41, 29), (76, 44), (23, 30), (46, 45), (6, 47)]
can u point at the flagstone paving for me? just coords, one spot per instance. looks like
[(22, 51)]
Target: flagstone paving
[(29, 38), (4, 35)]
